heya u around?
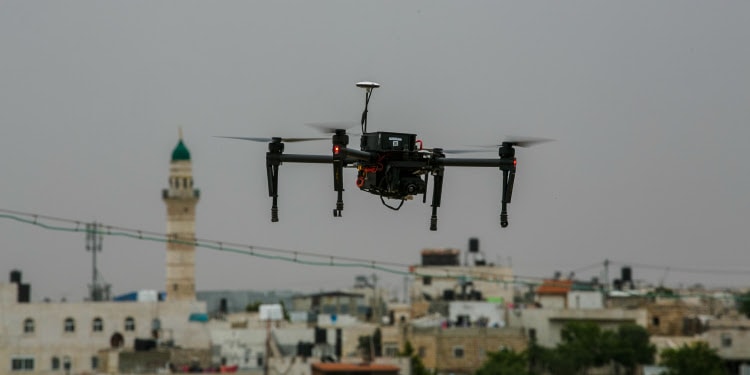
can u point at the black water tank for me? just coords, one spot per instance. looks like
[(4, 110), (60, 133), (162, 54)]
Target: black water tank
[(304, 349), (449, 295), (15, 276), (24, 293), (474, 245), (627, 274), (143, 345)]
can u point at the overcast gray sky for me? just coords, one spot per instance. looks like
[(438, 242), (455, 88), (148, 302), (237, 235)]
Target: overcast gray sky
[(648, 102)]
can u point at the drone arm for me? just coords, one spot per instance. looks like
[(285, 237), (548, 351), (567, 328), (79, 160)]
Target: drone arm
[(353, 155), (503, 164), (295, 158)]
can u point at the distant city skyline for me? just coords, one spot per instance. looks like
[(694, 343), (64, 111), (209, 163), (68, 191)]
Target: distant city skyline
[(646, 102)]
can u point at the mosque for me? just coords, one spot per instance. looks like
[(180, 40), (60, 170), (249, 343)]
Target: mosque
[(87, 337)]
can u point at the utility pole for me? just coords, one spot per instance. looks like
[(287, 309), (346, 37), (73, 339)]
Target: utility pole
[(606, 276), (97, 290), (376, 299)]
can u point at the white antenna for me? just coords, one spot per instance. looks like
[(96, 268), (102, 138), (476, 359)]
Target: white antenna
[(368, 86)]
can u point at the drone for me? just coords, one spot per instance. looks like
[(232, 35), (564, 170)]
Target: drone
[(391, 165)]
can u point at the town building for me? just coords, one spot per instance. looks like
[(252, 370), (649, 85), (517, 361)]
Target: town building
[(462, 350), (441, 276)]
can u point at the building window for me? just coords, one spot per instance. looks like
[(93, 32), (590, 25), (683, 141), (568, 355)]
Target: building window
[(458, 351), (422, 351), (129, 324), (55, 365), (390, 350), (427, 280), (22, 364), (532, 334), (94, 362), (28, 325), (97, 325), (655, 321), (726, 340), (70, 325)]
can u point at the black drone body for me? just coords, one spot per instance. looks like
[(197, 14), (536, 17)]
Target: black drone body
[(390, 165)]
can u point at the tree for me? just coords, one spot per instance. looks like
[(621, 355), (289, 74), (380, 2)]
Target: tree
[(587, 344), (505, 362), (253, 306), (417, 367), (632, 347), (371, 345), (695, 359)]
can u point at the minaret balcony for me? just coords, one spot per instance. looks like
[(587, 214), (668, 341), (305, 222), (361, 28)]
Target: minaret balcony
[(180, 193)]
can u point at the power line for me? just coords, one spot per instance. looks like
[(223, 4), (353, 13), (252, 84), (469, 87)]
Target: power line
[(293, 256), (712, 271), (311, 258)]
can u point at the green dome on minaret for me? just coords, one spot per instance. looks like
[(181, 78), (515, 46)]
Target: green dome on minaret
[(180, 151)]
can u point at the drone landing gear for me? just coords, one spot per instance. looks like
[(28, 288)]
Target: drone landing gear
[(273, 161), (272, 170), (437, 191), (339, 140), (508, 177), (338, 185)]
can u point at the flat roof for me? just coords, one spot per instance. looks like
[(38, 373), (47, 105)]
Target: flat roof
[(354, 367)]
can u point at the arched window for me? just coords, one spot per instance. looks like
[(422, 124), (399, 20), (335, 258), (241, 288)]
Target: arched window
[(116, 340), (70, 325), (97, 325), (129, 324), (28, 325)]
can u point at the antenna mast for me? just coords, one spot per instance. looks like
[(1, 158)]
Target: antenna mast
[(97, 290), (368, 86)]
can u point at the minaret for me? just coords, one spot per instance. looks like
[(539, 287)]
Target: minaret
[(180, 199)]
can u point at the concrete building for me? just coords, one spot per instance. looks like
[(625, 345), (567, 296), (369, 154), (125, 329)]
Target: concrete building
[(45, 337), (545, 325), (462, 350), (181, 199), (442, 277), (566, 293), (730, 336), (335, 304)]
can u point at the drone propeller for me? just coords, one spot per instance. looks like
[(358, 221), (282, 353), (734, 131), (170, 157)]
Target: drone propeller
[(274, 139), (331, 127), (524, 141), (518, 141)]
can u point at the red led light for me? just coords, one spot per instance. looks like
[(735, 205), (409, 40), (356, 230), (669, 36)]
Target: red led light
[(336, 149)]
